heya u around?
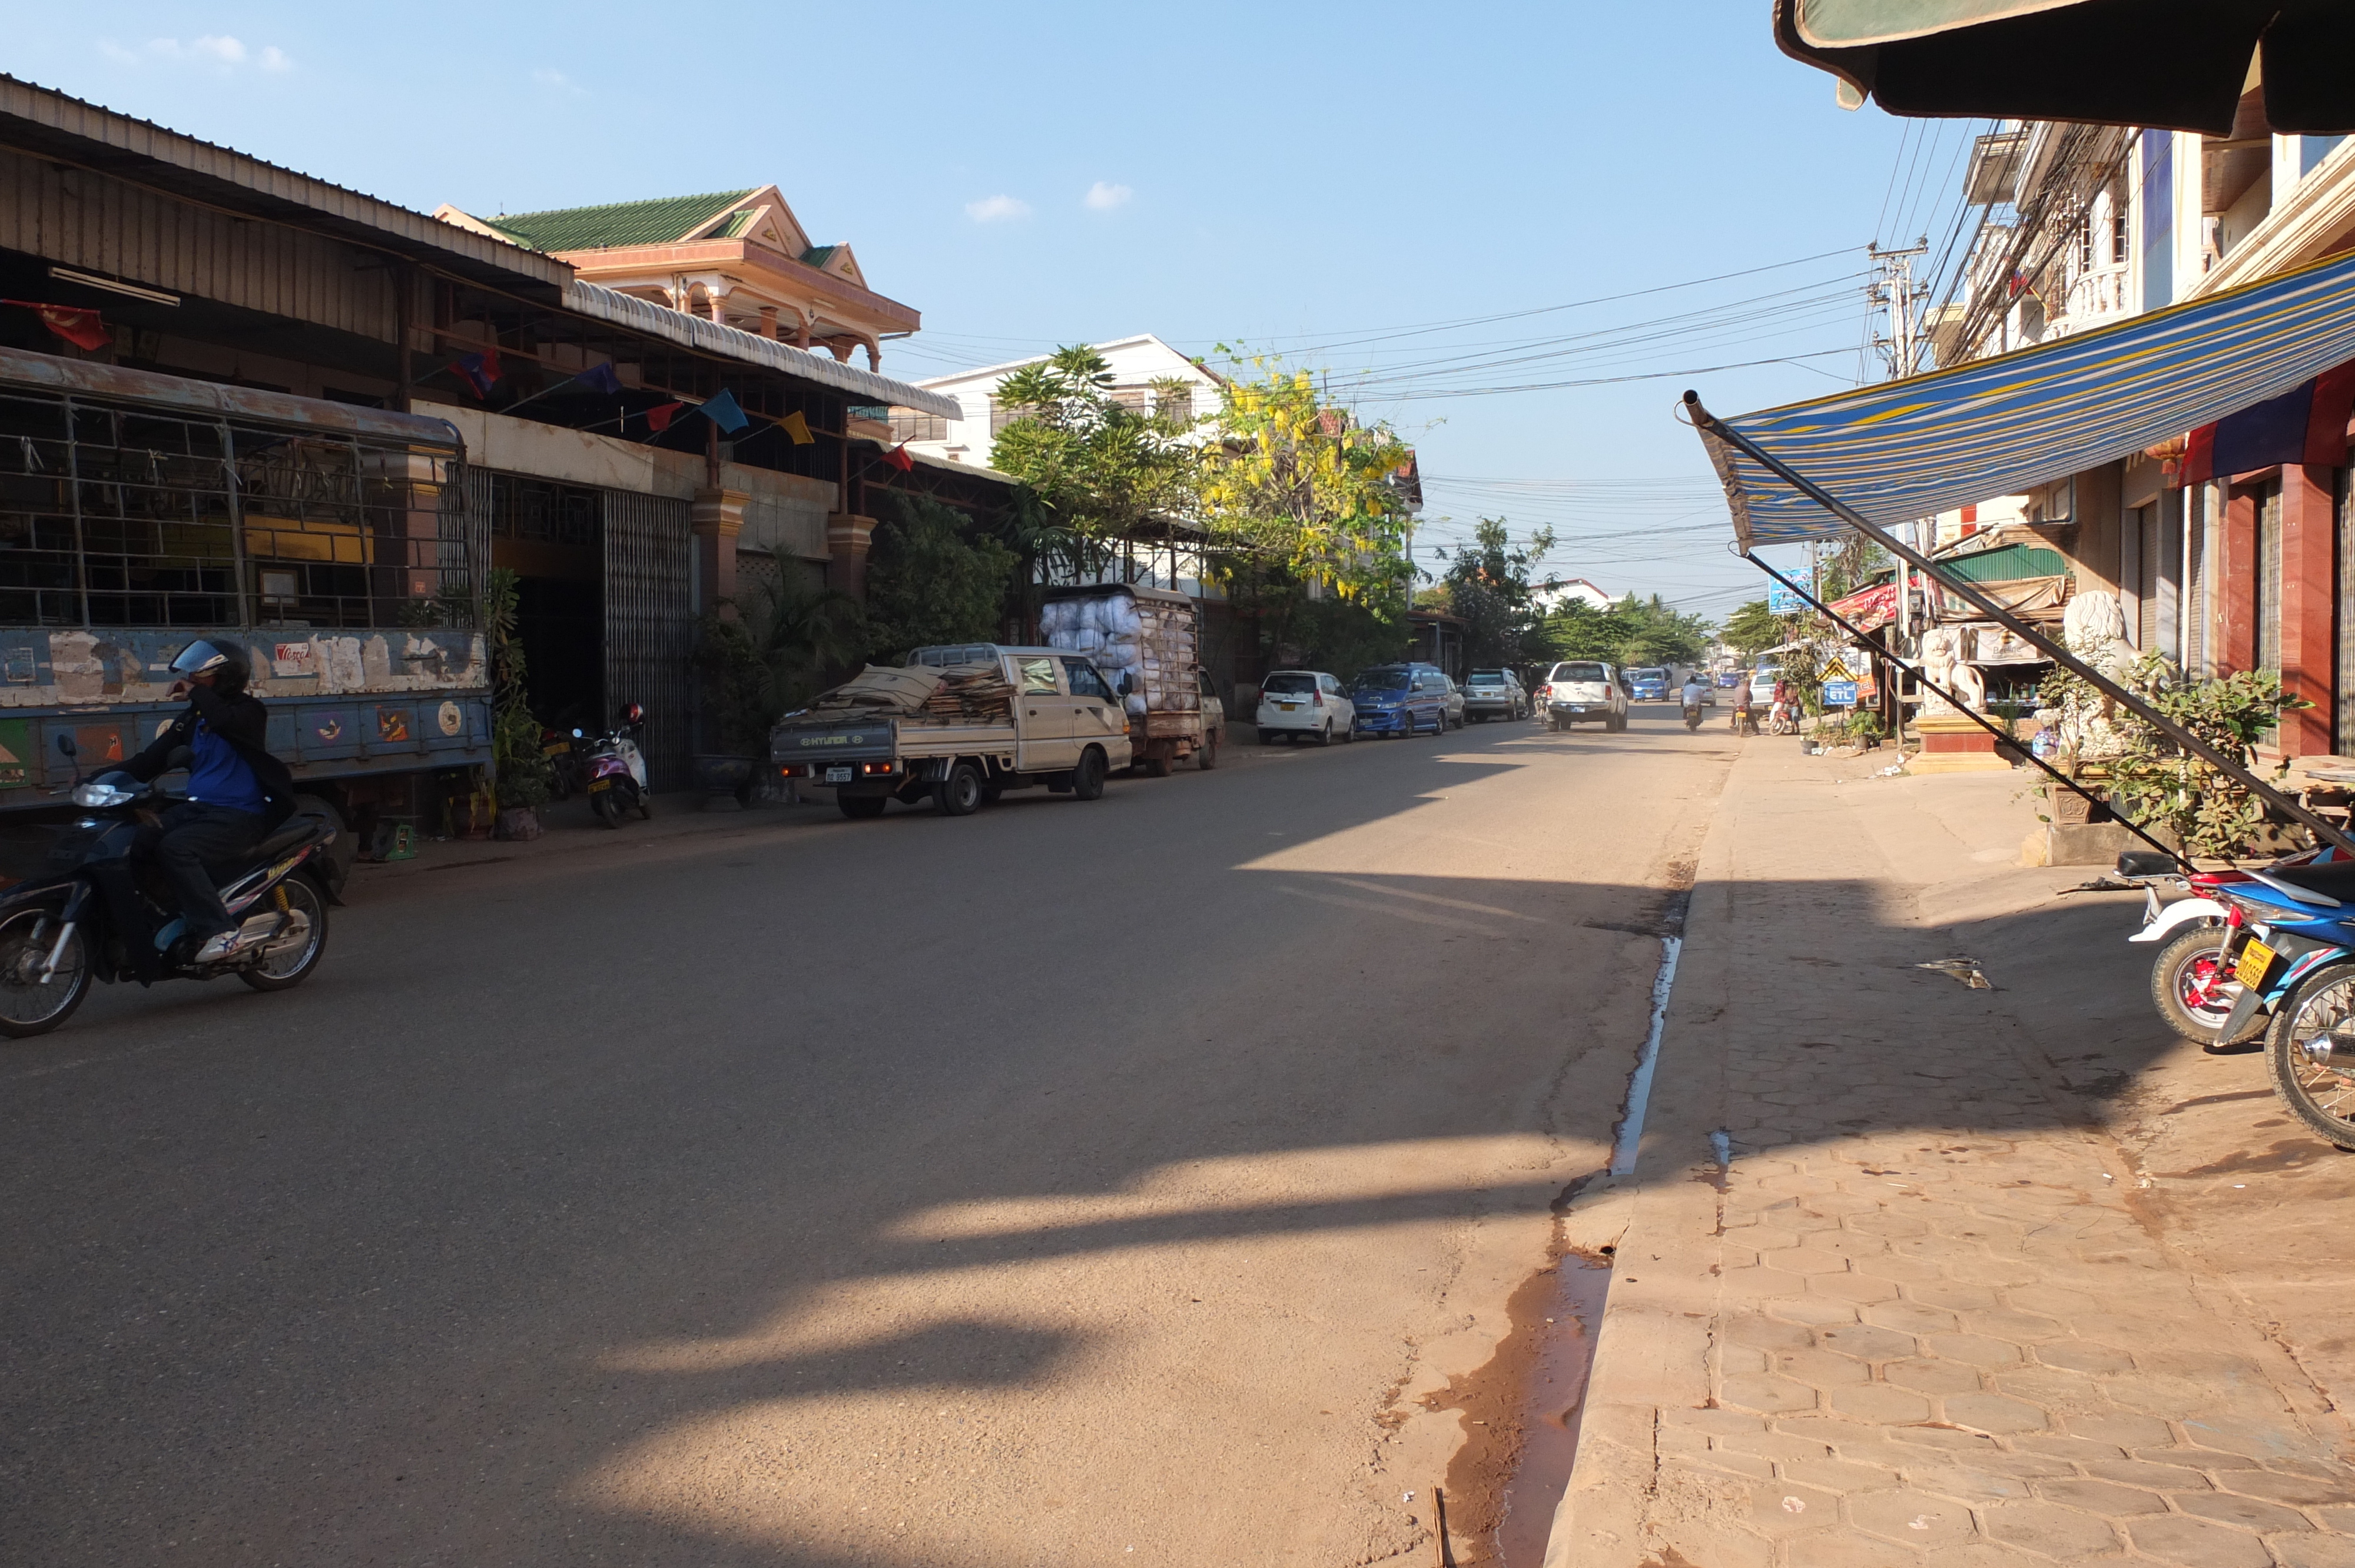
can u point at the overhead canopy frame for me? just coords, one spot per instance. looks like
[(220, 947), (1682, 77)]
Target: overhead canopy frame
[(1737, 445)]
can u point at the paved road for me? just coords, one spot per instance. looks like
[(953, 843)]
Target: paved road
[(1067, 1180)]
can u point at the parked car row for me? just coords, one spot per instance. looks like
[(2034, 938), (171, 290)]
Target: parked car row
[(1389, 699)]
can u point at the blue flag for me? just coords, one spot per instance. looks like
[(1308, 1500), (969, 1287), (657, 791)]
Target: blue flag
[(721, 410), (600, 378)]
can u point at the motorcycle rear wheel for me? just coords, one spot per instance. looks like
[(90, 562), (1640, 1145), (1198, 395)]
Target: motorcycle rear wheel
[(28, 1007), (2310, 1051), (289, 964), (602, 804), (2177, 974)]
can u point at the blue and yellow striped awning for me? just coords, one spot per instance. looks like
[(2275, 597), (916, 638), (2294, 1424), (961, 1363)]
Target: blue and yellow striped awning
[(1903, 449)]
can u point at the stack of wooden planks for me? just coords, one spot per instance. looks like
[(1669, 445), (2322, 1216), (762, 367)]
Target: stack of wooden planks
[(971, 693)]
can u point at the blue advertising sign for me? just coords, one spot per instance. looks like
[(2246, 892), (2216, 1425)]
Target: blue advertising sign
[(1839, 694), (1781, 600)]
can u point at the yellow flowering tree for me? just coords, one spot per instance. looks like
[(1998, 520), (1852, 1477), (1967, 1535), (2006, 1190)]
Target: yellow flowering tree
[(1293, 485)]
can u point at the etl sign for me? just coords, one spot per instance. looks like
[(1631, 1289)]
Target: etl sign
[(1839, 694)]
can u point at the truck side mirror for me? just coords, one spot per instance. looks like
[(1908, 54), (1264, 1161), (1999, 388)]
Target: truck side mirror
[(1127, 684)]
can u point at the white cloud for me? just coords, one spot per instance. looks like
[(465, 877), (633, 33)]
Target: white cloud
[(1104, 195), (548, 75), (996, 208), (218, 53)]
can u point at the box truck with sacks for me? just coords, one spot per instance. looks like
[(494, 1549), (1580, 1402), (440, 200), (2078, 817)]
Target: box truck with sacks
[(1147, 643)]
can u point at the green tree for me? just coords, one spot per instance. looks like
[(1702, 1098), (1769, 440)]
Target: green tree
[(1103, 471), (1488, 585), (927, 583), (1631, 632), (1751, 629)]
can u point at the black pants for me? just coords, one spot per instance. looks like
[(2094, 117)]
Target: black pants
[(192, 837)]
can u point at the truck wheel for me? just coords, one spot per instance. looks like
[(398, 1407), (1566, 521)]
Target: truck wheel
[(959, 795), (1206, 757), (1088, 778), (1158, 765), (861, 808)]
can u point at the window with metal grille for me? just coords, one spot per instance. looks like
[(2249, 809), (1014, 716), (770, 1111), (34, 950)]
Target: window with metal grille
[(1175, 404), (117, 515), (1003, 414), (1135, 399), (539, 512), (908, 425)]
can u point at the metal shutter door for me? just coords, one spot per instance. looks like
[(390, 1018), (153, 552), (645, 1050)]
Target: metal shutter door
[(650, 625)]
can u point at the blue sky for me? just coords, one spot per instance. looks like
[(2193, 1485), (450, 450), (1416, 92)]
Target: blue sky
[(1323, 181)]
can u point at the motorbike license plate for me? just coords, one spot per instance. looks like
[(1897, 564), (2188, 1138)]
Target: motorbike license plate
[(2256, 959), (838, 775), (597, 784), (555, 748)]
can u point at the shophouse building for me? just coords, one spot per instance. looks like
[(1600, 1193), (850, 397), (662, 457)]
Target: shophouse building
[(528, 418)]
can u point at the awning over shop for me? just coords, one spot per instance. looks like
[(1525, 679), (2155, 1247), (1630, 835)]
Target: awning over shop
[(1903, 449), (2181, 64)]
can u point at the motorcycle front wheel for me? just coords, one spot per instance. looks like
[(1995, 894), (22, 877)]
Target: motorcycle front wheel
[(2189, 994), (2310, 1049), (28, 1006)]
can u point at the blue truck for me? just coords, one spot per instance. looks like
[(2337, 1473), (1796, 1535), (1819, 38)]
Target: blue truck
[(139, 511)]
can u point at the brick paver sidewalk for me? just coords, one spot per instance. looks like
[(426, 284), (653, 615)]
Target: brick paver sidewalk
[(1918, 1319)]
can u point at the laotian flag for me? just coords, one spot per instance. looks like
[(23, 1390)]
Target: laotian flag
[(2307, 424)]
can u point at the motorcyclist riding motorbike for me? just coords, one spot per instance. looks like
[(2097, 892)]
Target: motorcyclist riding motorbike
[(1694, 691), (237, 792)]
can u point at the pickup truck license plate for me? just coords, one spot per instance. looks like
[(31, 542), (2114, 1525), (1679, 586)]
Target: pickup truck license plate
[(838, 775), (2256, 959), (597, 784)]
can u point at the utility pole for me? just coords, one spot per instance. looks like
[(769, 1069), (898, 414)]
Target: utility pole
[(1897, 298)]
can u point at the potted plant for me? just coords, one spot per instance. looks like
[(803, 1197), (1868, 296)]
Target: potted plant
[(520, 769)]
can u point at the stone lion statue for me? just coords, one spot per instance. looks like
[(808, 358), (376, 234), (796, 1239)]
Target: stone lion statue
[(1943, 662)]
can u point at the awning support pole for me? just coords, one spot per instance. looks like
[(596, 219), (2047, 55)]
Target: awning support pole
[(1971, 713), (1986, 604)]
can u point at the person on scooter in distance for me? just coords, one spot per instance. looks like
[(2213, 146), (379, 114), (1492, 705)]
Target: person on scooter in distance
[(238, 793), (1695, 690)]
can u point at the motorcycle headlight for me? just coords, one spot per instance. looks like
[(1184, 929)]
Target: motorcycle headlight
[(101, 795)]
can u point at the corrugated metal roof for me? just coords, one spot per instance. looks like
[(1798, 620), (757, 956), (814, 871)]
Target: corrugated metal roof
[(663, 221), (46, 123), (2008, 563), (729, 343)]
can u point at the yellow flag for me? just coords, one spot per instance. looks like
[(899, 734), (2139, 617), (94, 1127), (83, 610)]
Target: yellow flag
[(796, 427)]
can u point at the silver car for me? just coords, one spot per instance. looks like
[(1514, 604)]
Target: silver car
[(1495, 694)]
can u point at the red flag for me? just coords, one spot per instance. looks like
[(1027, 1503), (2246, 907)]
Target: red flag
[(897, 458), (78, 326), (659, 417)]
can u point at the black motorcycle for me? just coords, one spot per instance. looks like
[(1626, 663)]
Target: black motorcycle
[(92, 911), (1692, 716)]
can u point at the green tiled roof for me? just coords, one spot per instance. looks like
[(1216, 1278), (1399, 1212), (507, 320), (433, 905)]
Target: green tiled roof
[(657, 222), (819, 255)]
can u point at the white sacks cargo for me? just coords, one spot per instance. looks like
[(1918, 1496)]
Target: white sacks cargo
[(1151, 641)]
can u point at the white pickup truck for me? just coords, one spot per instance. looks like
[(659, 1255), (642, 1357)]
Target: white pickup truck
[(958, 726)]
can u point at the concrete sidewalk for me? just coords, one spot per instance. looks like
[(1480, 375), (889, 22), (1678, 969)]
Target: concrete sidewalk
[(1939, 1309)]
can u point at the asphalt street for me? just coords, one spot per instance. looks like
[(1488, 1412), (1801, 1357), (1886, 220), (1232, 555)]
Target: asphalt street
[(1139, 1181)]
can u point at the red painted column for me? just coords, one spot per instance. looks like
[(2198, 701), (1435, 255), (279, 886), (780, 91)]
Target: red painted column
[(2306, 609), (2235, 641)]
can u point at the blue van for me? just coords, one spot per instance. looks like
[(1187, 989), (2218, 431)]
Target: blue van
[(1399, 699)]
